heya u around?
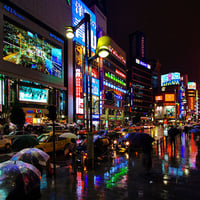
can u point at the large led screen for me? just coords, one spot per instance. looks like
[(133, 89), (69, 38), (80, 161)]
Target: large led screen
[(29, 49), (31, 94), (170, 79)]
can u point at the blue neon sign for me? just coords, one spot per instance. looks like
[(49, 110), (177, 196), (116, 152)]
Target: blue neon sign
[(78, 10), (139, 62), (12, 11)]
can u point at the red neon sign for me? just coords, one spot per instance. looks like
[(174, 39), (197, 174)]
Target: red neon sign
[(120, 73)]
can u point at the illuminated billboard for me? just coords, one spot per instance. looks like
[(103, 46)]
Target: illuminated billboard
[(95, 86), (169, 111), (35, 95), (159, 98), (31, 50), (78, 10), (191, 86), (170, 97), (139, 62), (170, 79)]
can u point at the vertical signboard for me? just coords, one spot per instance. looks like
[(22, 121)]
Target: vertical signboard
[(78, 10), (79, 79), (79, 100)]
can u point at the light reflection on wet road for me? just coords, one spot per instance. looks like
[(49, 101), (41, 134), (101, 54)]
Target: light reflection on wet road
[(175, 175)]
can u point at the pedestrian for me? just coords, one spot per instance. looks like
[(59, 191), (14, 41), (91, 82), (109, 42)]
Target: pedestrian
[(147, 156)]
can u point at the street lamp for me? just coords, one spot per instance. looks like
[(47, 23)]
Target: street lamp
[(101, 51)]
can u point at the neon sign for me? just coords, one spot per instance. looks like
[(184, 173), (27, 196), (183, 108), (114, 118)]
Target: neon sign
[(12, 11), (120, 73), (108, 84), (139, 62), (112, 76), (116, 54), (79, 100), (78, 10)]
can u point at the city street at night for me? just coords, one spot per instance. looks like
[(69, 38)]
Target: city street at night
[(99, 100), (174, 175)]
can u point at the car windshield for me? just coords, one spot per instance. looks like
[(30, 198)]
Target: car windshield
[(43, 138)]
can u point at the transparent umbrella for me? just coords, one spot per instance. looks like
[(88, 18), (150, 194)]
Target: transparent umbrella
[(18, 180), (33, 156), (68, 135)]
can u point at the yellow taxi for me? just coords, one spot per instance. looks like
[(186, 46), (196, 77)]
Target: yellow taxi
[(46, 142)]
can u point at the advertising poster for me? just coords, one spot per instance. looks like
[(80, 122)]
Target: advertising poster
[(170, 79)]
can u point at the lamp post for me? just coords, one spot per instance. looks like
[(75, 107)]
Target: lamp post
[(101, 51)]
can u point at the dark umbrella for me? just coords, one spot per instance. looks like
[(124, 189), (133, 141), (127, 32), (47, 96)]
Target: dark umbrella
[(18, 180), (24, 141), (195, 130), (139, 139), (172, 132)]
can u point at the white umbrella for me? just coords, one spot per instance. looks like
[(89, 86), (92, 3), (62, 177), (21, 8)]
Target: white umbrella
[(32, 155), (68, 135)]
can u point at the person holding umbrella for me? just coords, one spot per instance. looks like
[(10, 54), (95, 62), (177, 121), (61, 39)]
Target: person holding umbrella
[(147, 155)]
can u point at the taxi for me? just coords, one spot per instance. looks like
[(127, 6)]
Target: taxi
[(46, 142)]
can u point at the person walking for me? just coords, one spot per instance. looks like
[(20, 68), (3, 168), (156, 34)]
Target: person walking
[(147, 156)]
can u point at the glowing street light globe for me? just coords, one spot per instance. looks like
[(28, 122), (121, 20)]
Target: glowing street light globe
[(69, 32), (103, 52)]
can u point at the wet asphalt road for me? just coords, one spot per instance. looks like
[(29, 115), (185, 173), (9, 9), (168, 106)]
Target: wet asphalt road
[(175, 175)]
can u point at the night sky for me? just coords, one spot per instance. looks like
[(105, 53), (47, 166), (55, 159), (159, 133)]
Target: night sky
[(171, 28)]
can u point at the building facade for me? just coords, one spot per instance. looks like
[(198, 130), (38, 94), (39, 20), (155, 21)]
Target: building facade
[(34, 60)]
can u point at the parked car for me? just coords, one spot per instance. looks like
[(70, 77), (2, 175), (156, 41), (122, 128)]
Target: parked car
[(5, 143), (14, 134), (46, 142)]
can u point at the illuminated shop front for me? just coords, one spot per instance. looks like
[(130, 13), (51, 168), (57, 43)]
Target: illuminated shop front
[(165, 107), (32, 67)]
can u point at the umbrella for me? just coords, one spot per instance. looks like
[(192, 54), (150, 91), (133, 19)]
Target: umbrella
[(139, 139), (18, 180), (33, 156), (195, 130), (172, 132), (24, 141), (68, 135)]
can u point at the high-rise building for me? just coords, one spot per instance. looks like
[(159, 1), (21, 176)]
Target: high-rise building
[(140, 78)]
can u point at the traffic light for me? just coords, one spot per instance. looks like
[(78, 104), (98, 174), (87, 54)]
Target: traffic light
[(52, 112)]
